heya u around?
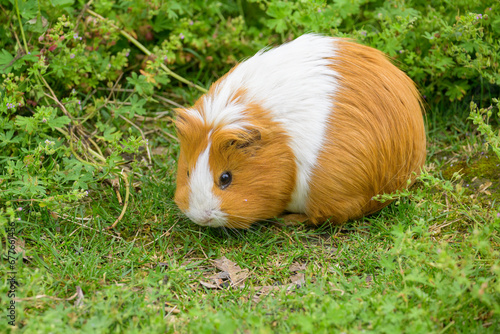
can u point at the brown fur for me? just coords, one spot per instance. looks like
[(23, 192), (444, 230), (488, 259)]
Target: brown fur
[(375, 141)]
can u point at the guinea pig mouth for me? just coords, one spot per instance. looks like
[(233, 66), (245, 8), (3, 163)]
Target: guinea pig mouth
[(208, 217)]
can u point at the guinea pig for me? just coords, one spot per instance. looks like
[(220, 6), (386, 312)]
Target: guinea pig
[(315, 127)]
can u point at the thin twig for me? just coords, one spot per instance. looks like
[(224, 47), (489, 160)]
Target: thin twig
[(167, 233), (47, 296), (127, 90), (161, 114), (21, 28), (95, 145), (87, 5), (168, 101), (91, 228), (118, 195), (54, 97), (169, 135), (155, 118), (72, 149), (112, 91), (15, 35), (118, 103), (172, 310), (159, 134), (127, 194), (79, 300)]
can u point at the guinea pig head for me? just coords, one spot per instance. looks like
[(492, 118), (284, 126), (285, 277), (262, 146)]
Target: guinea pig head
[(232, 173)]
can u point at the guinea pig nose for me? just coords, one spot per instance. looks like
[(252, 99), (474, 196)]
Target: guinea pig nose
[(205, 217)]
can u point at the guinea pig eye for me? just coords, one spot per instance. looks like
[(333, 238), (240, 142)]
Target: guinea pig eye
[(225, 180), (187, 173)]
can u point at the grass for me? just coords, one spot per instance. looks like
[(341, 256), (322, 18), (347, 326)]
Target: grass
[(427, 263)]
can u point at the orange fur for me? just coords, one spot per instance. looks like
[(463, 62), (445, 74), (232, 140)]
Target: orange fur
[(260, 190), (375, 141)]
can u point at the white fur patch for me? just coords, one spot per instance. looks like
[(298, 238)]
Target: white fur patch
[(204, 205), (295, 83)]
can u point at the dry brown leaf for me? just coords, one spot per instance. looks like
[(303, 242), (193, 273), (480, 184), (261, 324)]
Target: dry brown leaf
[(173, 310), (225, 264), (484, 186), (298, 279), (231, 275), (230, 272), (209, 285), (297, 266), (19, 246)]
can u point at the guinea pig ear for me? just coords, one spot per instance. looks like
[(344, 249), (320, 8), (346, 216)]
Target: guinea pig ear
[(245, 138), (182, 121)]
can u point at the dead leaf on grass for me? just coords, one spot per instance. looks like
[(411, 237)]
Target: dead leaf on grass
[(231, 275), (210, 285), (484, 186), (172, 310), (298, 279), (19, 248), (297, 266), (336, 289)]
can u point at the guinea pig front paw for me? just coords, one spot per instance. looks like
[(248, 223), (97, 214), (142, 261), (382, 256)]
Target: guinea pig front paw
[(294, 219)]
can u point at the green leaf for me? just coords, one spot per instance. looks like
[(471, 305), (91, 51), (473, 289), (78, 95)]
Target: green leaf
[(27, 124), (346, 8), (62, 3), (30, 186), (76, 172), (137, 106), (28, 9), (58, 122), (280, 9), (162, 22), (444, 62), (278, 25), (5, 61), (457, 91), (38, 24), (111, 134), (140, 84), (6, 138)]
